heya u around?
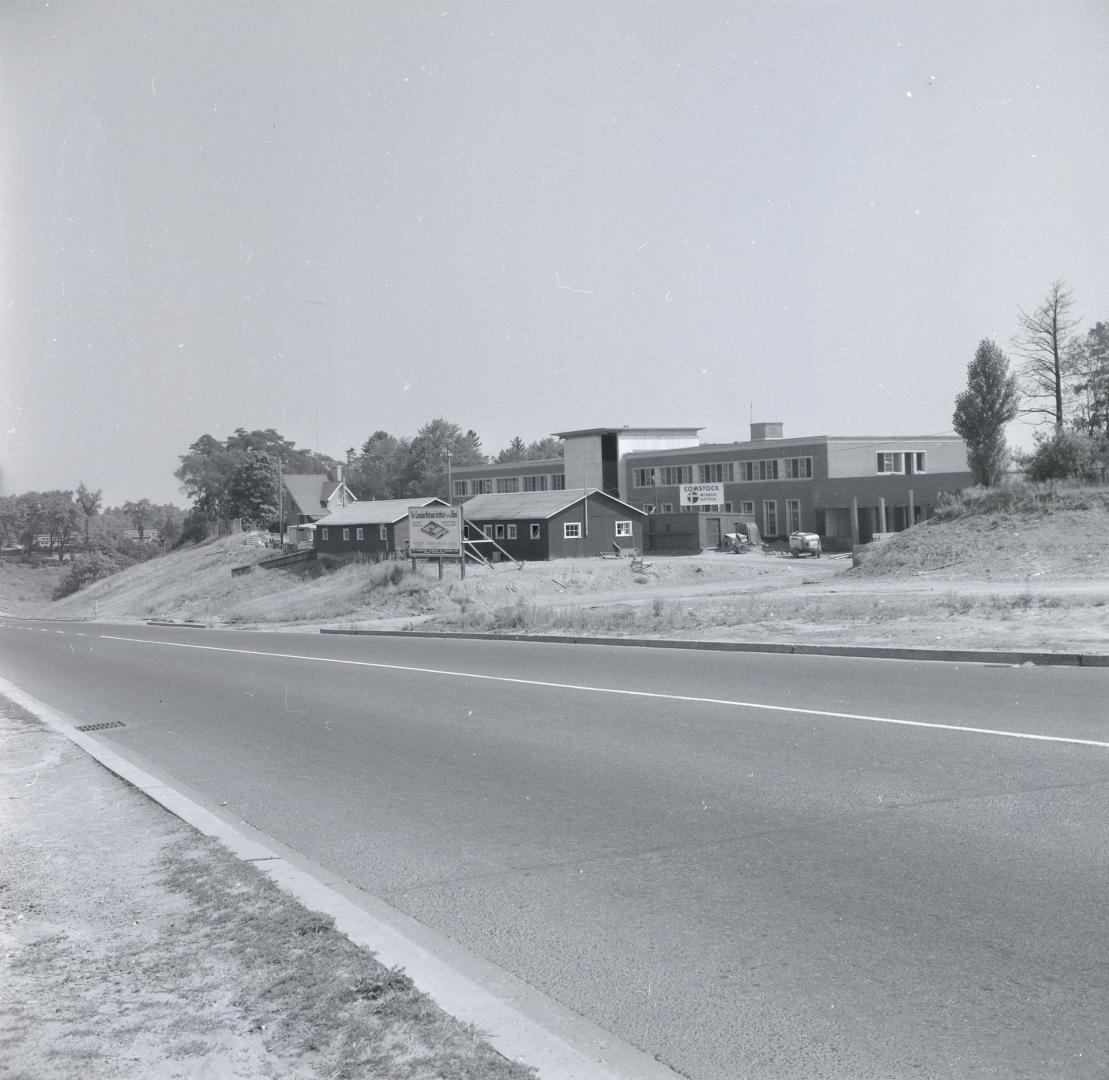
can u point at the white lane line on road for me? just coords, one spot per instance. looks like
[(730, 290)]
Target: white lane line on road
[(625, 693)]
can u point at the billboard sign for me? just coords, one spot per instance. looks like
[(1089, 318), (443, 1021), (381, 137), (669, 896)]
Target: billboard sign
[(700, 494), (435, 531)]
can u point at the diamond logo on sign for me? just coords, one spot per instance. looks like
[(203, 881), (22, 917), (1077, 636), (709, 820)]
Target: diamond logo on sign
[(434, 530)]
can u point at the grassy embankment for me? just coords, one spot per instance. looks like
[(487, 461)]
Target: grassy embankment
[(1024, 566)]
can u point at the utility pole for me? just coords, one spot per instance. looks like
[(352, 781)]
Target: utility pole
[(450, 488), (280, 501)]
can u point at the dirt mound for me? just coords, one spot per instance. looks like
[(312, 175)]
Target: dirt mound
[(1008, 535)]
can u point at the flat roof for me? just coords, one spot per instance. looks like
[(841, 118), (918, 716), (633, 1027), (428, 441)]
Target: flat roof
[(685, 431), (792, 441), (508, 467)]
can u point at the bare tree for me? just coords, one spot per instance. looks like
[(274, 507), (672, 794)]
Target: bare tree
[(1044, 345)]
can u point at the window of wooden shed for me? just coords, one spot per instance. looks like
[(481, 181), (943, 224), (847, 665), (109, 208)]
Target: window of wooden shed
[(324, 532), (533, 531), (383, 532), (498, 532), (623, 528), (511, 532), (359, 535), (571, 530)]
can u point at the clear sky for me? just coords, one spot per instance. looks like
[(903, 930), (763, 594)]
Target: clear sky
[(525, 217)]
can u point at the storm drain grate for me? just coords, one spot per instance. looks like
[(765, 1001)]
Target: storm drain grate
[(100, 727)]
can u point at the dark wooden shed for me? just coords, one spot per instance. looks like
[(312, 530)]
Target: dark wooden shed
[(543, 525), (372, 530)]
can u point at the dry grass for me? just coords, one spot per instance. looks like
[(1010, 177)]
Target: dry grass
[(763, 618), (134, 947), (1020, 566), (1009, 533), (28, 585), (317, 998)]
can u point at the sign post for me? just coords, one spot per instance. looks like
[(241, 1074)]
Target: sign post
[(435, 532)]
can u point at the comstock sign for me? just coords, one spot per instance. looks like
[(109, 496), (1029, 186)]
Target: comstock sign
[(700, 494), (435, 531)]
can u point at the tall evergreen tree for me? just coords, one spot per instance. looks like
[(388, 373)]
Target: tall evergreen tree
[(990, 401)]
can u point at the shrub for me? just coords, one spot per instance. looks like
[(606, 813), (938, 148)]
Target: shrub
[(86, 569), (195, 530), (1066, 455)]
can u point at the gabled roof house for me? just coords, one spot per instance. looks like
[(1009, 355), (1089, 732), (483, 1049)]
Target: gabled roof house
[(310, 496), (376, 529), (541, 525)]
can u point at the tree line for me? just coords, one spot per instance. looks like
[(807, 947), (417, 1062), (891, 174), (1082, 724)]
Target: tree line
[(1061, 380), (63, 520), (239, 477), (102, 540)]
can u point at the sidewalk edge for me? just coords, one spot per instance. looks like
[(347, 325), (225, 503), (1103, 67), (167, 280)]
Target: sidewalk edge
[(872, 652), (520, 1022)]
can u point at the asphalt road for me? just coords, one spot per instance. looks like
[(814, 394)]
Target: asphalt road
[(748, 865)]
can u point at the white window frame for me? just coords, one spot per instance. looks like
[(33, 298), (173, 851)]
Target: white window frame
[(624, 528), (498, 532), (346, 534), (747, 507), (798, 468), (535, 531), (666, 508), (670, 475), (770, 510), (717, 472), (793, 515), (558, 481), (383, 532), (889, 463), (512, 532), (643, 478), (460, 489), (358, 534), (571, 530), (508, 485), (323, 534)]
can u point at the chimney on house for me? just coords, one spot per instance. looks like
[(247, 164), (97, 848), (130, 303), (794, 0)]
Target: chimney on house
[(761, 432)]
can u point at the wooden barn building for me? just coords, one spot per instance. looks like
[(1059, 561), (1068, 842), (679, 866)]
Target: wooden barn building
[(542, 525), (371, 530)]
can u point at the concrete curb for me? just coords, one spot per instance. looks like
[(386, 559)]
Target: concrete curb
[(873, 652), (522, 1023)]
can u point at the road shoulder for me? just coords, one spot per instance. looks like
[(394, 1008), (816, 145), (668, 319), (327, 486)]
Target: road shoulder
[(117, 921)]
